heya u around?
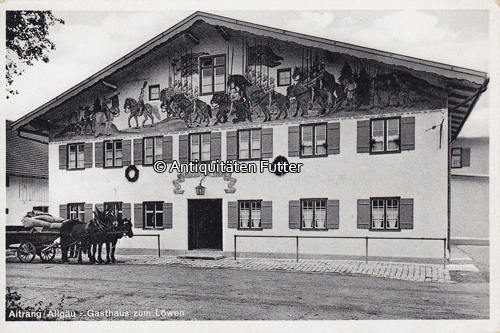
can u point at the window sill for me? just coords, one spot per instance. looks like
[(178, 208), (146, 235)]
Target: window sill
[(313, 156), (112, 167), (75, 169), (314, 229), (385, 152), (250, 229), (384, 230)]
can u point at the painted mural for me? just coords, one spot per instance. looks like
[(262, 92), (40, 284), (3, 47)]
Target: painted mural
[(319, 84)]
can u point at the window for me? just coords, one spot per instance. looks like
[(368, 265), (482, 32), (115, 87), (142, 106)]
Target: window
[(385, 135), (199, 147), (7, 181), (384, 214), (249, 144), (76, 211), (152, 150), (213, 74), (43, 209), (114, 207), (76, 156), (313, 140), (284, 77), (313, 214), (113, 153), (456, 157), (153, 215), (154, 92), (250, 214)]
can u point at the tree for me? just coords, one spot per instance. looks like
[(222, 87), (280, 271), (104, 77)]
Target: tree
[(345, 73), (27, 41)]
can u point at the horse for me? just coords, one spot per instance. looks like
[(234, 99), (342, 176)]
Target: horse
[(166, 97), (302, 95), (322, 83), (122, 227), (103, 115), (282, 103), (203, 111), (222, 103), (148, 111)]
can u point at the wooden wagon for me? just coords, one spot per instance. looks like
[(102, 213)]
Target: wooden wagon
[(32, 243)]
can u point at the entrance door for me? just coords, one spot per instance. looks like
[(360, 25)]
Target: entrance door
[(205, 224)]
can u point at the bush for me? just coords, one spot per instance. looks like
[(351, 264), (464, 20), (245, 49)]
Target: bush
[(16, 310)]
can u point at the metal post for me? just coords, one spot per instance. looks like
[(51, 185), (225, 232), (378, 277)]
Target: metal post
[(159, 253), (234, 247), (444, 253), (297, 247), (366, 250)]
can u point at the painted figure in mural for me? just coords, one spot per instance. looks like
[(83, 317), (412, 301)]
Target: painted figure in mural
[(303, 87), (148, 111), (350, 90), (140, 99), (240, 97), (221, 103), (103, 115), (324, 86)]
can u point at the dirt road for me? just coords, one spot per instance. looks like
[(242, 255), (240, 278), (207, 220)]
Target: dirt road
[(143, 292)]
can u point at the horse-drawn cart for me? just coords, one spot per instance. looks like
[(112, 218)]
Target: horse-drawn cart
[(32, 242)]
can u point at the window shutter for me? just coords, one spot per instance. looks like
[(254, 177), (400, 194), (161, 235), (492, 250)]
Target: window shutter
[(332, 214), (231, 145), (88, 212), (183, 148), (166, 149), (465, 157), (232, 214), (215, 146), (138, 152), (293, 141), (363, 136), (408, 133), (126, 210), (63, 211), (99, 154), (63, 155), (363, 213), (267, 143), (406, 213), (87, 155), (138, 216), (167, 215), (267, 215), (333, 138), (126, 152), (294, 214)]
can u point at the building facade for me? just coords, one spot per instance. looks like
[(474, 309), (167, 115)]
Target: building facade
[(370, 129)]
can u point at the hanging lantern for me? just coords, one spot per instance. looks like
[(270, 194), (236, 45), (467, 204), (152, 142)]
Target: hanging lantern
[(200, 189)]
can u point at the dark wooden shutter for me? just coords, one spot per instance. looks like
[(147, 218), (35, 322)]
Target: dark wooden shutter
[(215, 146), (99, 154), (363, 136), (88, 212), (63, 211), (332, 214), (138, 216), (232, 214), (231, 145), (267, 214), (333, 138), (167, 215), (293, 141), (465, 157), (138, 152), (183, 148), (363, 213), (63, 157), (166, 149), (408, 133), (87, 155), (267, 143), (126, 152), (294, 214), (406, 213), (126, 210)]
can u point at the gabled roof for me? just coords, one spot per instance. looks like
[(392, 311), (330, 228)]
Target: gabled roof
[(25, 157), (465, 85)]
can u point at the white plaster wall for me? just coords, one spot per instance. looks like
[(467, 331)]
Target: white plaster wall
[(479, 156), (22, 195)]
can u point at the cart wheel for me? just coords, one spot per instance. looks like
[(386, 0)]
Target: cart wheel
[(48, 254), (26, 252)]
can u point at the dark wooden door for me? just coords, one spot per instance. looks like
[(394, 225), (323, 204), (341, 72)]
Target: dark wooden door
[(205, 224)]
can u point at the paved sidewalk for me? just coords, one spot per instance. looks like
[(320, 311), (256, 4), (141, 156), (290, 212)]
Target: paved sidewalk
[(390, 270)]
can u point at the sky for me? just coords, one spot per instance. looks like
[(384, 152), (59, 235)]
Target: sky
[(89, 41)]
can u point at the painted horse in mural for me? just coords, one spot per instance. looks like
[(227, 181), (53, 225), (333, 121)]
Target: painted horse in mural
[(166, 106), (149, 111), (320, 83), (222, 103), (103, 114), (202, 112)]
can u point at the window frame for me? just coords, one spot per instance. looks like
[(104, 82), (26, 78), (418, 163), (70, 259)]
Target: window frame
[(250, 201), (154, 150), (314, 228), (283, 70), (68, 210), (385, 151), (76, 144), (213, 67), (384, 229), (313, 155), (114, 203), (154, 86), (114, 154), (45, 209), (200, 134), (250, 158), (144, 215), (461, 157)]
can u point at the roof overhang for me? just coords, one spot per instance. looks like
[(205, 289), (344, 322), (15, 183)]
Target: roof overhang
[(464, 88)]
